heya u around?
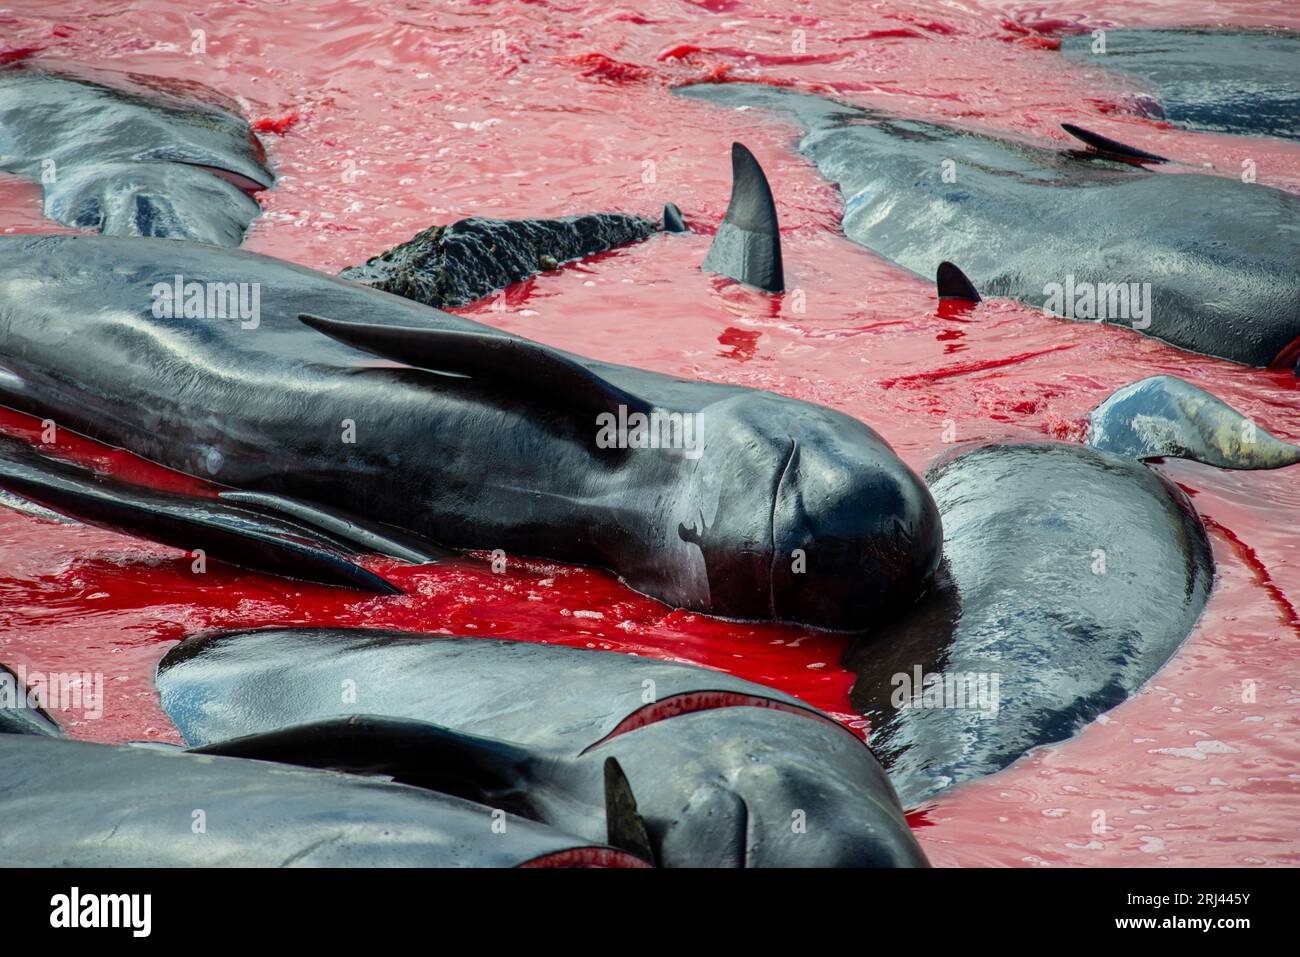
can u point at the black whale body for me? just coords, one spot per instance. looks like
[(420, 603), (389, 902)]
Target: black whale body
[(724, 772), (1220, 255), (77, 804), (131, 155), (1070, 574), (1222, 81), (498, 452)]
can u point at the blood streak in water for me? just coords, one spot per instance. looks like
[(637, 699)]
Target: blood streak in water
[(382, 120)]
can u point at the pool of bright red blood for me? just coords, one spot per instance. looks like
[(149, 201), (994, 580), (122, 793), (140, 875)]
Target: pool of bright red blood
[(382, 119)]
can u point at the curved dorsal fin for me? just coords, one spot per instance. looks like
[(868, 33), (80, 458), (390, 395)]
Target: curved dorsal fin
[(487, 355), (674, 222), (953, 284), (1104, 144), (623, 824), (747, 247)]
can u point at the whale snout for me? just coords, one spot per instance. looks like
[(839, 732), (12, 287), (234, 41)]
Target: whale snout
[(855, 533)]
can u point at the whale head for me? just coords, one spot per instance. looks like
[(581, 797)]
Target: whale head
[(808, 516), (762, 787)]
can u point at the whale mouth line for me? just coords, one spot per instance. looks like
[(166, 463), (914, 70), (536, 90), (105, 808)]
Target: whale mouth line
[(776, 504), (691, 702)]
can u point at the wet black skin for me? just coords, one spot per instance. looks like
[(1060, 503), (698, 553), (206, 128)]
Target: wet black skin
[(1220, 254), (1022, 594), (496, 449), (1223, 81), (131, 155), (77, 804), (530, 727)]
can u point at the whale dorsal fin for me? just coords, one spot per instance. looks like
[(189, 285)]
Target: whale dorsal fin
[(624, 827), (953, 284), (747, 247), (674, 222), (1104, 144), (551, 374)]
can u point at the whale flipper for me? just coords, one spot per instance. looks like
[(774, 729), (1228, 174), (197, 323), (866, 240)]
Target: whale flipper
[(673, 221), (1110, 147), (220, 530), (1165, 417), (362, 535), (747, 247), (436, 758), (418, 753), (953, 284), (548, 372), (17, 716)]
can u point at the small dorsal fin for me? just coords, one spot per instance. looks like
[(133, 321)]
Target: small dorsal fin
[(624, 827), (674, 222), (508, 359), (953, 284), (1104, 144), (747, 247)]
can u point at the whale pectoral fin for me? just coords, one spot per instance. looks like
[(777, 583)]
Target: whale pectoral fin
[(1110, 147), (747, 247), (953, 284), (418, 753), (346, 529), (548, 374), (1165, 417), (623, 824), (19, 715), (218, 529)]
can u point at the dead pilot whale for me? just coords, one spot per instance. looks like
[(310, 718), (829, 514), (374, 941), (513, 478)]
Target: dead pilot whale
[(131, 155), (1069, 577), (465, 436), (721, 771), (1224, 81), (74, 803), (1205, 263)]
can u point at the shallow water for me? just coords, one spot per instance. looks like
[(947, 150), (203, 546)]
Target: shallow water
[(381, 120)]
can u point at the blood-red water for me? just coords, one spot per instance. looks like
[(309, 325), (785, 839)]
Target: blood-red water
[(382, 119)]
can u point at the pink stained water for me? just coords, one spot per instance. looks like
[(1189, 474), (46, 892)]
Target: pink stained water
[(382, 119)]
